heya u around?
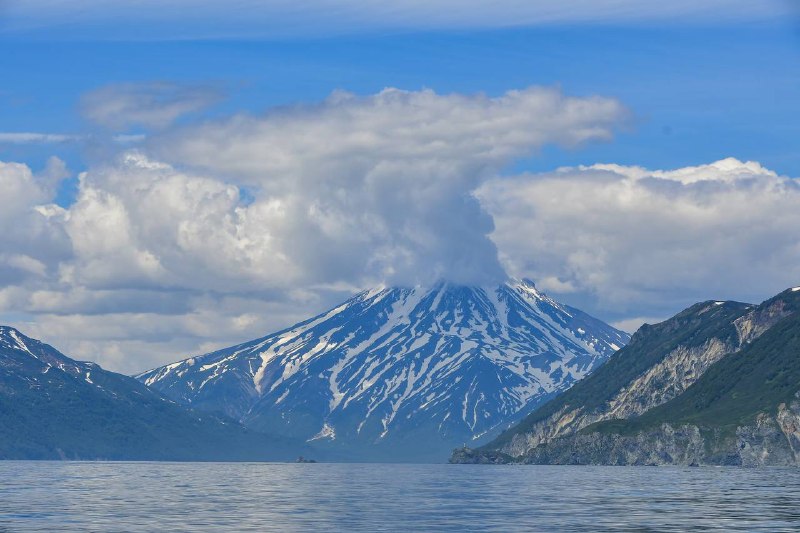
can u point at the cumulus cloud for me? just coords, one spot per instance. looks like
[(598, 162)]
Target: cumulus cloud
[(630, 240), (207, 231), (382, 185), (210, 235), (32, 234), (149, 105), (138, 223)]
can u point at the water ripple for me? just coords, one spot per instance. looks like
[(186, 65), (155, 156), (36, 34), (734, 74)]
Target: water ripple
[(132, 497)]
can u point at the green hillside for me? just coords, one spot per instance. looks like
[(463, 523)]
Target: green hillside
[(648, 346), (736, 389)]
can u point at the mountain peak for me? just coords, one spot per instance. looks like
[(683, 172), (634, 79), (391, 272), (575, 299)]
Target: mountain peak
[(12, 338), (55, 407), (406, 370)]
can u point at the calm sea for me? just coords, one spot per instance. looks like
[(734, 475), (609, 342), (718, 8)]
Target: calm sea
[(53, 496)]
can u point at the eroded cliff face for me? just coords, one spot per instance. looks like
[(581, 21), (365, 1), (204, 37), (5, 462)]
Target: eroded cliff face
[(660, 383), (772, 440), (666, 380), (755, 323), (789, 422), (666, 445), (763, 444)]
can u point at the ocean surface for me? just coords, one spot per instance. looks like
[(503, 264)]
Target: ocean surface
[(74, 496)]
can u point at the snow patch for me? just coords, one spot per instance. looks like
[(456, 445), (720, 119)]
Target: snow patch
[(258, 377), (327, 432), (20, 344)]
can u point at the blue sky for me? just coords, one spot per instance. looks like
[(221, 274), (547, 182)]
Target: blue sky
[(128, 275), (697, 94)]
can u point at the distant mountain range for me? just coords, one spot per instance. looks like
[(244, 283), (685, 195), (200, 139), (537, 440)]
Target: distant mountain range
[(53, 407), (400, 374), (716, 384)]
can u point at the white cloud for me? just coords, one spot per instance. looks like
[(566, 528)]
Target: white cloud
[(150, 105), (343, 194), (130, 330), (142, 224), (180, 19), (632, 324), (163, 254), (23, 262), (378, 187), (31, 235), (59, 138), (35, 138), (631, 240)]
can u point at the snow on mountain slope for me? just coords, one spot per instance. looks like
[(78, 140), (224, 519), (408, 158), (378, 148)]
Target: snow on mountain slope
[(401, 373), (54, 407), (14, 342)]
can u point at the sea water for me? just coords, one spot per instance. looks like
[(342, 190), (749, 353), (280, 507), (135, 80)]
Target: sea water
[(87, 496)]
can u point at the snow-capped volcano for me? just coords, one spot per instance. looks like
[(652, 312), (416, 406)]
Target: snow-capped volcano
[(401, 373)]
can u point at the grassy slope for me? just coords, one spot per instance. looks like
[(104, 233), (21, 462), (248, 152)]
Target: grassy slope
[(733, 391), (649, 345)]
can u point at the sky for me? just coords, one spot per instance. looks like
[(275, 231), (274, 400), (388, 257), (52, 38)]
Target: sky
[(181, 177)]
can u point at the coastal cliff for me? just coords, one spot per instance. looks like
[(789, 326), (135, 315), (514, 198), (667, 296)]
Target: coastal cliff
[(719, 388)]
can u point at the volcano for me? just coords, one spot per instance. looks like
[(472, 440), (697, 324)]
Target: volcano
[(400, 374)]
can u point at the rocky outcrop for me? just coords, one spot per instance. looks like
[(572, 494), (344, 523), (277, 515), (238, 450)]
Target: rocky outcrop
[(468, 456), (763, 444), (772, 440), (788, 419), (712, 385), (666, 445), (659, 384), (755, 323), (666, 380)]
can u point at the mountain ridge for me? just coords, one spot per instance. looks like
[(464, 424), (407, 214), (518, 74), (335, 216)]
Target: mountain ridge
[(54, 407), (399, 368), (739, 406)]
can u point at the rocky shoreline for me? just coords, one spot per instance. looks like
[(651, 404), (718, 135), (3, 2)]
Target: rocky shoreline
[(770, 441)]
